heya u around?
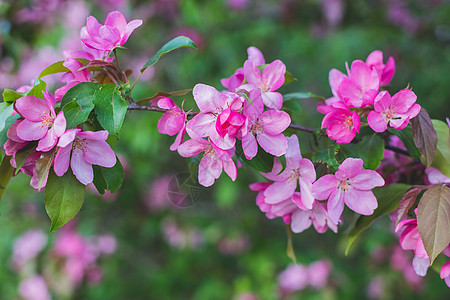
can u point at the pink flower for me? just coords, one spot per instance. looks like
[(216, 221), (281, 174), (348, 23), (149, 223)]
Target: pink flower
[(318, 273), (114, 33), (34, 288), (294, 278), (213, 161), (220, 117), (271, 79), (41, 122), (236, 80), (350, 185), (299, 170), (445, 273), (72, 78), (317, 216), (267, 127), (397, 111), (436, 177), (172, 121), (82, 149), (385, 71), (341, 123), (361, 86), (28, 246)]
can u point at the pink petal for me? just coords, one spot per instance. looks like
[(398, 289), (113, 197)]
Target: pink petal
[(335, 78), (81, 168), (101, 135), (301, 220), (367, 180), (445, 270), (364, 76), (307, 171), (421, 265), (201, 125), (99, 153), (335, 205), (388, 72), (12, 132), (276, 169), (350, 92), (376, 121), (273, 144), (375, 58), (249, 146), (68, 137), (349, 168), (209, 170), (31, 108), (293, 154), (273, 100), (31, 131), (255, 56), (117, 20), (179, 139), (252, 74), (230, 168), (273, 75), (192, 147), (47, 142), (224, 143), (306, 194), (279, 191), (129, 28), (403, 100), (62, 160), (59, 124), (324, 186), (274, 122), (206, 97), (362, 202)]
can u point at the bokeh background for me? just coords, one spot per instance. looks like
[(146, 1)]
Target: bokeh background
[(147, 241)]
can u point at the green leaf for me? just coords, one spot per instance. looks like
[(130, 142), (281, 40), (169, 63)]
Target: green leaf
[(64, 197), (262, 162), (6, 172), (22, 155), (43, 165), (370, 149), (424, 136), (10, 96), (388, 198), (57, 67), (433, 220), (39, 87), (441, 159), (327, 156), (406, 136), (288, 78), (298, 96), (3, 133), (110, 108), (77, 103), (108, 178), (178, 42)]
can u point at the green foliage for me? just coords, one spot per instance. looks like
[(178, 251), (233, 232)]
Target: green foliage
[(110, 108), (39, 87), (424, 136), (370, 149), (77, 103), (178, 42), (301, 95), (388, 198), (441, 159), (57, 67), (43, 165), (108, 178), (6, 171), (406, 136), (262, 162), (10, 96), (433, 220), (64, 197), (6, 120)]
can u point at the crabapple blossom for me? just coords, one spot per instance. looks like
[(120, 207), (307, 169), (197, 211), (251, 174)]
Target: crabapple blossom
[(396, 110), (172, 122), (82, 149), (114, 33), (271, 79), (72, 78), (350, 185), (267, 127), (341, 123), (385, 71), (213, 161), (40, 121), (317, 216), (299, 170), (445, 273)]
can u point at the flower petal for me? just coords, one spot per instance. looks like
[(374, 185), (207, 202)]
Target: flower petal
[(362, 202), (81, 168)]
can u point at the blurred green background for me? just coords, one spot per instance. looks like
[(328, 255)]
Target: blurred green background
[(216, 244)]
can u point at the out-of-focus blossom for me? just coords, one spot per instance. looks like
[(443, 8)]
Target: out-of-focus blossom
[(399, 14), (114, 33), (28, 246), (233, 245), (294, 278), (319, 271), (238, 4), (181, 238), (376, 287), (34, 288), (333, 10)]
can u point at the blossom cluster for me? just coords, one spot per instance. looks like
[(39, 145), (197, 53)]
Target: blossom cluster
[(72, 256), (43, 131), (248, 112), (357, 98)]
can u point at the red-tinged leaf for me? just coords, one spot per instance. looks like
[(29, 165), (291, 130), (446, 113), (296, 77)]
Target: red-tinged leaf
[(433, 219), (6, 172), (424, 136), (408, 200)]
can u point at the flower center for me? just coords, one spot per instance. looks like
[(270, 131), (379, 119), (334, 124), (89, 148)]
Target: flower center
[(46, 120), (295, 174), (344, 185), (348, 121), (79, 143), (390, 113)]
